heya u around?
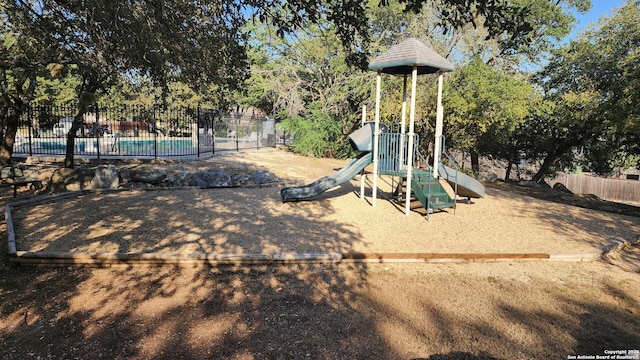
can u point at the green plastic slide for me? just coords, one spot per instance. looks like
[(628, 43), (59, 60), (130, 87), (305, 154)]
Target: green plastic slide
[(304, 192)]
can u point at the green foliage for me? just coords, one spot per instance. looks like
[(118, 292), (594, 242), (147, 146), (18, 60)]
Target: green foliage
[(56, 86), (135, 90), (545, 23), (594, 83), (306, 81), (484, 106), (318, 134), (196, 52)]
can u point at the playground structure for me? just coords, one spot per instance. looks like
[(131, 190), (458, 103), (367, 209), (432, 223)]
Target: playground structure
[(396, 153)]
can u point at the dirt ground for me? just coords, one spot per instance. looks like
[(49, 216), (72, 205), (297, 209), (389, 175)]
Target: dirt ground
[(505, 310)]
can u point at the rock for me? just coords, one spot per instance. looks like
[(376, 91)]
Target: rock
[(529, 183), (64, 179), (561, 188), (153, 177), (176, 180), (125, 175), (106, 177), (210, 178), (489, 177), (544, 185), (264, 177), (241, 179), (588, 196), (137, 185)]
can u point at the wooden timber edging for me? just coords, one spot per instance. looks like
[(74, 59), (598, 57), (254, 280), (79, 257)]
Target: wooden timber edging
[(27, 258), (109, 259), (11, 235)]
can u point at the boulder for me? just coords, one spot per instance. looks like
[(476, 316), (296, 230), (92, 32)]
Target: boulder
[(210, 178), (106, 177), (544, 185), (125, 175), (529, 183), (153, 177), (561, 188), (137, 185), (241, 179), (64, 179), (176, 180), (262, 177)]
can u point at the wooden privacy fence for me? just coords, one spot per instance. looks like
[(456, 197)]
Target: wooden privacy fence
[(606, 189)]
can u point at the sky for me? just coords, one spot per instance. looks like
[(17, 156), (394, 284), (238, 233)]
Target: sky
[(599, 8)]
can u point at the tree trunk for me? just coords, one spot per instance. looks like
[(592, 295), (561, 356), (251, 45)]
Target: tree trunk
[(511, 158), (9, 133), (78, 122), (548, 161), (17, 103), (475, 162), (507, 175)]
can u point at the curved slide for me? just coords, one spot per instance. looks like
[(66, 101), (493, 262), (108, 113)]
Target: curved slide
[(467, 186), (297, 193)]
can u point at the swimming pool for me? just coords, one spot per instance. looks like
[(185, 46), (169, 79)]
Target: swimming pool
[(171, 146), (110, 146)]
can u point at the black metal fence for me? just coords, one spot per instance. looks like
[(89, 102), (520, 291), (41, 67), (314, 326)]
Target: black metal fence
[(138, 131)]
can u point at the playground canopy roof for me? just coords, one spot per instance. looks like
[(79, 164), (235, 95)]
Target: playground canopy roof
[(401, 59)]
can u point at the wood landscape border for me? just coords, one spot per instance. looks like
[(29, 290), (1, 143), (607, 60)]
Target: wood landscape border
[(44, 258)]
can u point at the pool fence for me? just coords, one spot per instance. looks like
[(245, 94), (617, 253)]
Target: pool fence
[(140, 131)]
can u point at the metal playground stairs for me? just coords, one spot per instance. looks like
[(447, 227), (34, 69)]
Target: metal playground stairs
[(429, 191)]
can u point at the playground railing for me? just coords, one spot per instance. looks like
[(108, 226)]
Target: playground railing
[(393, 153), (421, 161)]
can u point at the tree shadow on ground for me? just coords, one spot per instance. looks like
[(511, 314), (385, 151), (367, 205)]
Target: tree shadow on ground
[(188, 221), (596, 228), (297, 311), (467, 316), (457, 356), (286, 311), (318, 311)]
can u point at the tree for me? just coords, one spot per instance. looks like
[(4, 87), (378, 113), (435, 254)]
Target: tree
[(594, 83), (506, 53), (570, 122), (100, 40), (307, 84), (21, 58), (484, 107), (511, 22), (619, 82), (201, 43)]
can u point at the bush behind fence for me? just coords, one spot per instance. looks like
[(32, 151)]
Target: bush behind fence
[(138, 131)]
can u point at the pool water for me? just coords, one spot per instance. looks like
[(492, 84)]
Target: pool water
[(147, 145), (111, 145)]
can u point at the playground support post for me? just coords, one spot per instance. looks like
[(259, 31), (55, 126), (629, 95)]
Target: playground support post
[(412, 117), (364, 119), (403, 120), (403, 125), (403, 111), (375, 141), (437, 147)]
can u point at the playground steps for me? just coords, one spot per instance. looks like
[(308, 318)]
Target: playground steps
[(429, 191)]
